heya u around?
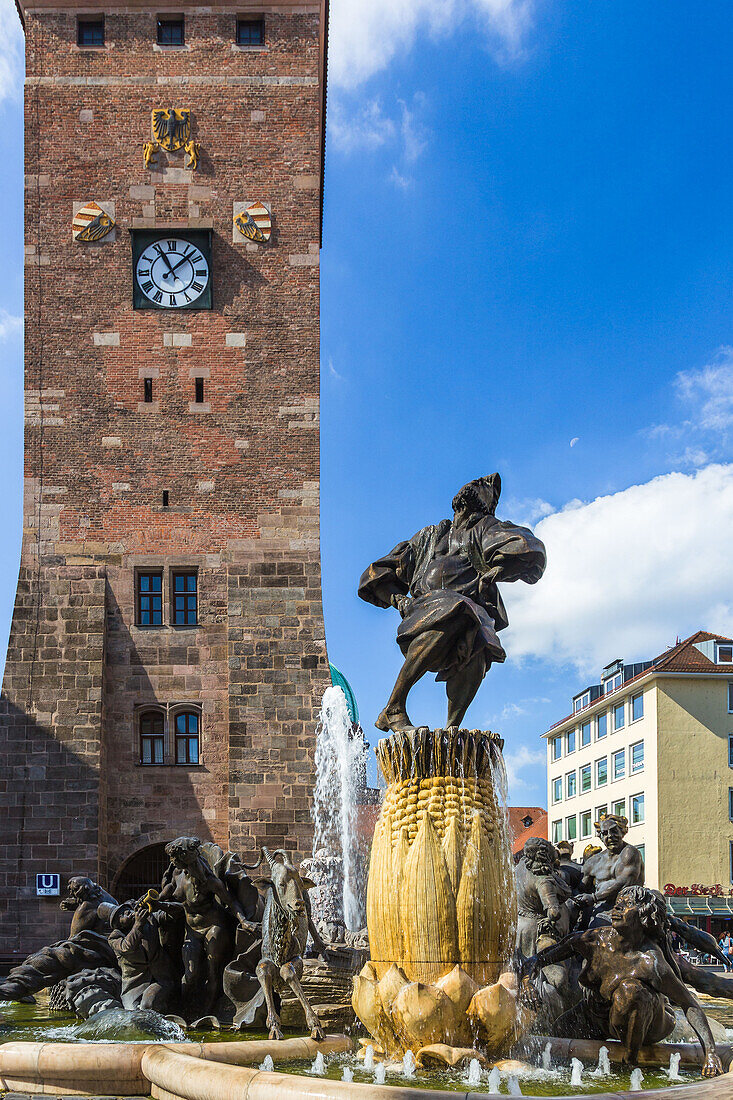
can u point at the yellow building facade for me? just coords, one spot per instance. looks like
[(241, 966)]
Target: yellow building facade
[(653, 742)]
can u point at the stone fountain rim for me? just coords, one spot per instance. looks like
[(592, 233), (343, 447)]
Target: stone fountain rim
[(168, 1072)]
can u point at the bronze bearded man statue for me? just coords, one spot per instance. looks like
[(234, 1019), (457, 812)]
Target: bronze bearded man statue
[(444, 582)]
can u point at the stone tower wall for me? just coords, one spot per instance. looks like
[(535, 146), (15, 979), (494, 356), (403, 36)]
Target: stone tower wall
[(241, 469)]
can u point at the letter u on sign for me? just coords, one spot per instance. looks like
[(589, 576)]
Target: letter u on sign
[(48, 885)]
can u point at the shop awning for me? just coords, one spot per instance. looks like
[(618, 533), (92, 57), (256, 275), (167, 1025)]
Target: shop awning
[(700, 906)]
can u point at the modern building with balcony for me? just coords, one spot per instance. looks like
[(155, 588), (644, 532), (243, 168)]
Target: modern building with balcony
[(653, 742)]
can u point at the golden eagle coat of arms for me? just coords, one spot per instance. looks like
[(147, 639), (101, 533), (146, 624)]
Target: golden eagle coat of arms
[(171, 128), (91, 223), (254, 222)]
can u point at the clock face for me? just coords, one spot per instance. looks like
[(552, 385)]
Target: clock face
[(171, 271)]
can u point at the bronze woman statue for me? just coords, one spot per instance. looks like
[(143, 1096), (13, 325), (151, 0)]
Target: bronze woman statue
[(443, 581), (632, 977)]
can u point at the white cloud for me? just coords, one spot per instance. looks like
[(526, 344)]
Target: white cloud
[(525, 511), (627, 573), (365, 36), (516, 760), (368, 128), (333, 372), (709, 392), (11, 52), (10, 325)]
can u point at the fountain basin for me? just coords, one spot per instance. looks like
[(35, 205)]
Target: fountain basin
[(225, 1071)]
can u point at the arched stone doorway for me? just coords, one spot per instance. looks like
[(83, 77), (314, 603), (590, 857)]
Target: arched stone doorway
[(141, 872)]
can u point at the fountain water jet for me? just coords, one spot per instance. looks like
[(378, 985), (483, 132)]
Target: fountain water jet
[(408, 1064), (576, 1073), (547, 1056), (369, 1058), (347, 1074), (674, 1067), (604, 1064), (473, 1074), (513, 1085), (380, 1073), (267, 1065), (494, 1080), (636, 1079), (340, 775), (319, 1065)]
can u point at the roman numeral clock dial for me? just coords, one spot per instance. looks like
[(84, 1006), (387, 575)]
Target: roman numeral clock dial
[(171, 271)]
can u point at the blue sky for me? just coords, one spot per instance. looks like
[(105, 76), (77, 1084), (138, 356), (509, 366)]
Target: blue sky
[(526, 267)]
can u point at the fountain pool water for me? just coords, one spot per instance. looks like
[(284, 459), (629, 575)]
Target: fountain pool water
[(340, 769)]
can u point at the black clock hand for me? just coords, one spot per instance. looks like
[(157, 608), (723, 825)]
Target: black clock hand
[(162, 253), (183, 261)]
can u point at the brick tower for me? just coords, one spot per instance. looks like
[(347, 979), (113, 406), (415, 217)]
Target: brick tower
[(167, 652)]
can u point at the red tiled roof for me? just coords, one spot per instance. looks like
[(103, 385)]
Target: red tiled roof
[(682, 657), (519, 832)]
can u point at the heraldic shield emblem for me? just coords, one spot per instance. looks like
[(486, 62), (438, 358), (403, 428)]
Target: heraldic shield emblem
[(254, 222), (91, 223), (171, 128)]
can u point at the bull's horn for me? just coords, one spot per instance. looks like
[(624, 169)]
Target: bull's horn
[(253, 866)]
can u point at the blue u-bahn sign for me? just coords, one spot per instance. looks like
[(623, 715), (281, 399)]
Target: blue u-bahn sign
[(48, 885)]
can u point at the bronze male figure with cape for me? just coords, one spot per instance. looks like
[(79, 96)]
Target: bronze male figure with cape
[(444, 582)]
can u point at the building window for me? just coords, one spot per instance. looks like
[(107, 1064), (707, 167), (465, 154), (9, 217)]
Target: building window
[(571, 828), (730, 858), (184, 599), (601, 812), (187, 737), (199, 391), (641, 849), (602, 726), (585, 824), (725, 654), (730, 803), (251, 32), (730, 697), (557, 790), (612, 683), (637, 809), (152, 737), (570, 784), (619, 716), (637, 757), (619, 764), (601, 772), (90, 32), (730, 750), (147, 390), (619, 807), (557, 748), (556, 832), (585, 734), (149, 599), (637, 707), (585, 778), (170, 30), (570, 746)]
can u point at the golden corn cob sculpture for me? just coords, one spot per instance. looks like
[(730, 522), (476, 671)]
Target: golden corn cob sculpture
[(441, 888)]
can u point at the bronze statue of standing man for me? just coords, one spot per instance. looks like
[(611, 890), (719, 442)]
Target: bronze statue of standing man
[(444, 582)]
